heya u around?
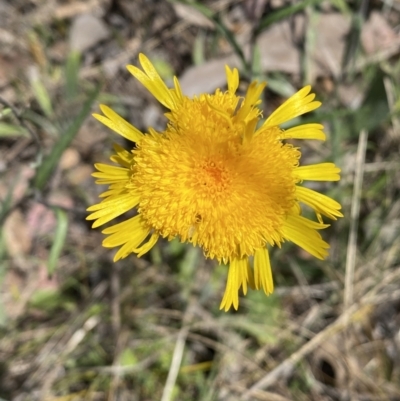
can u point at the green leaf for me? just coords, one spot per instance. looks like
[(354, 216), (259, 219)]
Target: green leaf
[(256, 65), (342, 6), (163, 68), (59, 239), (285, 12), (187, 269), (279, 84), (42, 95), (229, 36), (46, 299), (4, 315), (41, 121), (375, 109), (198, 53), (6, 203), (50, 162), (127, 358), (207, 12), (353, 41), (5, 112), (72, 74), (7, 130), (3, 318)]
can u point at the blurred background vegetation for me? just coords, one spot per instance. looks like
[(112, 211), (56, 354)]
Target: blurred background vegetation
[(75, 326)]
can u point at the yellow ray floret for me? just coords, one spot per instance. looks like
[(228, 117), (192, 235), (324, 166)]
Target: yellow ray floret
[(122, 156), (238, 276), (303, 233), (112, 120), (137, 230), (152, 81), (232, 78), (318, 172), (262, 271), (112, 207), (320, 203), (110, 174), (305, 131), (300, 103), (214, 180), (251, 100)]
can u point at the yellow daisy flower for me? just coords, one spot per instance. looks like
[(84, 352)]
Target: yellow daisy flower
[(215, 179)]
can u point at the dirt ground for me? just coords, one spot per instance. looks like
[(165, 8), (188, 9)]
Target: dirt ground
[(74, 325)]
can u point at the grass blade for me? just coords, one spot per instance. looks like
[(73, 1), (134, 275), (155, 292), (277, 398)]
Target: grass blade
[(285, 12), (7, 130), (59, 239), (207, 12), (375, 109), (6, 203), (41, 94), (72, 74), (50, 162)]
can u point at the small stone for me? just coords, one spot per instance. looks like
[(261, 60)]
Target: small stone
[(69, 159), (17, 237), (87, 31), (80, 174), (151, 115)]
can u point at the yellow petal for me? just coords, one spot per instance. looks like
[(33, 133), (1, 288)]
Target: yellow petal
[(251, 99), (250, 277), (303, 233), (249, 130), (152, 81), (298, 104), (111, 208), (262, 271), (318, 172), (122, 156), (115, 189), (147, 245), (112, 170), (115, 122), (305, 131), (231, 296), (239, 275), (320, 203), (112, 192), (134, 241), (177, 92), (130, 233), (244, 275), (111, 174), (232, 77), (123, 227)]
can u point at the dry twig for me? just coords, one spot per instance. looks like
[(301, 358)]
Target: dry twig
[(354, 216)]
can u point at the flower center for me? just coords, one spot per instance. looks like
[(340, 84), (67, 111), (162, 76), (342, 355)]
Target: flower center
[(211, 178), (200, 181)]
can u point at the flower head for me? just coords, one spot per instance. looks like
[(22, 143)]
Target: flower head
[(215, 178)]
